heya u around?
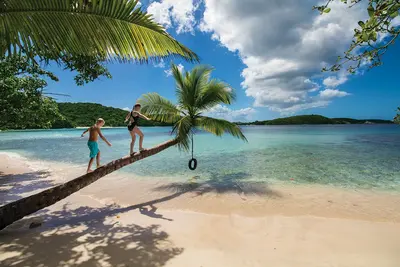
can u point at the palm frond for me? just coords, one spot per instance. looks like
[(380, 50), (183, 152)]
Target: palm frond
[(219, 127), (183, 130), (159, 108), (116, 28), (190, 85), (216, 92), (196, 81), (180, 84)]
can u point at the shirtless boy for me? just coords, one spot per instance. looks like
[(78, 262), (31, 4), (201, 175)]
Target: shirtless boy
[(94, 133)]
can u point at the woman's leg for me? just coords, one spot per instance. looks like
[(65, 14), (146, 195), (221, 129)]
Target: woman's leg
[(133, 135), (141, 136)]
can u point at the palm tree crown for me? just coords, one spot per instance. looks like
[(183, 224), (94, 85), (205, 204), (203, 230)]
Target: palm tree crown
[(115, 28), (196, 94)]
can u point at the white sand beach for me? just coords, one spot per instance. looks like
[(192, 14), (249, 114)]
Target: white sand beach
[(120, 221)]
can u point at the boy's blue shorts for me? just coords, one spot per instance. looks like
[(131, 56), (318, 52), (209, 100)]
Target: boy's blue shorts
[(94, 148)]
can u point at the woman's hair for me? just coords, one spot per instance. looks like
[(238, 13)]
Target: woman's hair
[(137, 105), (99, 120)]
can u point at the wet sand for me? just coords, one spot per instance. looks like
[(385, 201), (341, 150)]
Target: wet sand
[(125, 221)]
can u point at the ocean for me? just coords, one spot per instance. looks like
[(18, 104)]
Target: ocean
[(351, 156)]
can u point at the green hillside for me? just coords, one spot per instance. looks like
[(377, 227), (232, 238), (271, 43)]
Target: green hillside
[(314, 119), (86, 114)]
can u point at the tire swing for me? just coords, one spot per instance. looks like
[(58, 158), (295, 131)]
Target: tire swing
[(193, 162)]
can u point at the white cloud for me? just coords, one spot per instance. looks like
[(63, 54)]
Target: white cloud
[(284, 44), (178, 13), (332, 93), (223, 112), (169, 72), (334, 81), (160, 64), (127, 109)]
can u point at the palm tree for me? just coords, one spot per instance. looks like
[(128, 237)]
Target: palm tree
[(116, 29), (397, 118), (196, 94)]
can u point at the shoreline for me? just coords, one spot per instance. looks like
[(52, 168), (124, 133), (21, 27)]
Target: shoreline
[(257, 193), (112, 223)]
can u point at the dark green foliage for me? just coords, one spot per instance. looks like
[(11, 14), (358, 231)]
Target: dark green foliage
[(86, 114), (313, 119), (22, 103), (301, 119), (62, 124), (354, 121)]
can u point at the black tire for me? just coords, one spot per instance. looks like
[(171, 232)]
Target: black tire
[(192, 164)]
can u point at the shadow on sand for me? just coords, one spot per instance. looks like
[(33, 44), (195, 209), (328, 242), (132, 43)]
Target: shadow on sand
[(222, 184), (82, 237), (89, 236), (13, 185)]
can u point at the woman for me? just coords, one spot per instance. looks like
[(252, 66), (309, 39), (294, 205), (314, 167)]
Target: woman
[(133, 126)]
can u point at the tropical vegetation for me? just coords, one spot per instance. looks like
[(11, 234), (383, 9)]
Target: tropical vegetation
[(313, 119), (112, 29), (196, 93), (373, 37), (22, 100)]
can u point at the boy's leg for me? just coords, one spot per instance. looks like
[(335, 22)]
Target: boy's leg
[(98, 160), (133, 135), (90, 165), (141, 137)]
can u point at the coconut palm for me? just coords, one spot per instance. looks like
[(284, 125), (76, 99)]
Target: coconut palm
[(118, 29), (196, 94)]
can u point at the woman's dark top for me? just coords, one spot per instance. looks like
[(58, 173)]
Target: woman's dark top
[(135, 122)]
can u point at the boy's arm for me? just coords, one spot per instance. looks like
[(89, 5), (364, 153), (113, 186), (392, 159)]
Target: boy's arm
[(102, 137), (87, 130)]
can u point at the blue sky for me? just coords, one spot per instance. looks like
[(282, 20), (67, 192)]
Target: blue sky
[(270, 55)]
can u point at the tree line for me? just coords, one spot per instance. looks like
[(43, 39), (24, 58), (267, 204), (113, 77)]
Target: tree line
[(314, 119)]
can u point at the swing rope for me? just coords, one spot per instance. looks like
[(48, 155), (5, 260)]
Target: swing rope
[(193, 162), (192, 146)]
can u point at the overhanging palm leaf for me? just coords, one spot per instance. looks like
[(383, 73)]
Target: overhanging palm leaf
[(196, 94), (219, 127), (116, 28), (159, 108), (214, 93)]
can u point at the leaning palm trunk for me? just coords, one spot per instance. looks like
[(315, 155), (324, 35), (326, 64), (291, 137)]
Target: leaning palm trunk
[(14, 211)]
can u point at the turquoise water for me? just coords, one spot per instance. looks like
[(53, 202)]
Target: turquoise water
[(362, 156)]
